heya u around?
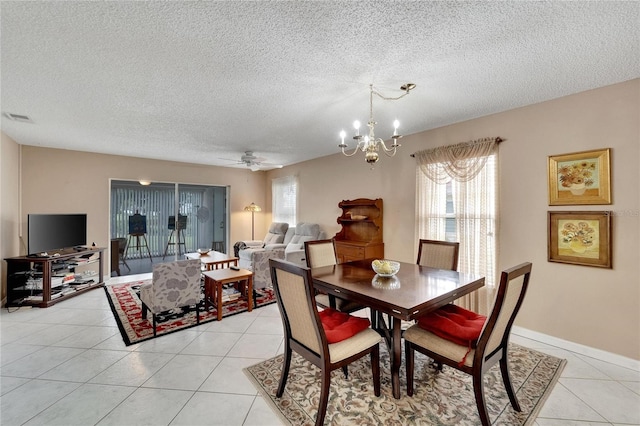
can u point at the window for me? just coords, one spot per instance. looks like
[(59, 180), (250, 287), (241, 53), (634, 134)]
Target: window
[(284, 194), (464, 209)]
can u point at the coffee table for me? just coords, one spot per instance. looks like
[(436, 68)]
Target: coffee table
[(214, 281), (214, 260)]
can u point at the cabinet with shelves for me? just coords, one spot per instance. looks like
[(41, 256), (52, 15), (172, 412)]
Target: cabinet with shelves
[(43, 281), (361, 233)]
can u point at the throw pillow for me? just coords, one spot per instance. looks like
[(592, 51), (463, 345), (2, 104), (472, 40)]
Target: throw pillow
[(339, 326)]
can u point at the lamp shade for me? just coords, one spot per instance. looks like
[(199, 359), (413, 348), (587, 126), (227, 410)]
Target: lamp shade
[(253, 208)]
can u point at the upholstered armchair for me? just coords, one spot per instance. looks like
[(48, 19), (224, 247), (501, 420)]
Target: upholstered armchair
[(259, 265), (273, 239), (291, 248), (174, 285)]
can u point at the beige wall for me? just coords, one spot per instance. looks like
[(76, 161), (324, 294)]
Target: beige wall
[(60, 181), (9, 202), (595, 307)]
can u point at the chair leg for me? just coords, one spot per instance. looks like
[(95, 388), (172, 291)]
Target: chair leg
[(198, 313), (154, 324), (409, 361), (506, 378), (286, 363), (375, 369), (374, 318), (144, 311), (324, 396), (478, 390)]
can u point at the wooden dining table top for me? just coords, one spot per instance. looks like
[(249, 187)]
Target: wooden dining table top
[(412, 292)]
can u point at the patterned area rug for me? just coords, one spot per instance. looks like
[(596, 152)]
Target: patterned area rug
[(127, 309), (443, 399)]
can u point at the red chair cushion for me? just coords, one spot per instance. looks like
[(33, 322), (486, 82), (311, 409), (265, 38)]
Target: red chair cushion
[(339, 326), (455, 324)]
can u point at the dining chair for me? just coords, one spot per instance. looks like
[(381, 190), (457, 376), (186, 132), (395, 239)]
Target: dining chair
[(445, 335), (315, 336), (319, 253), (438, 254)]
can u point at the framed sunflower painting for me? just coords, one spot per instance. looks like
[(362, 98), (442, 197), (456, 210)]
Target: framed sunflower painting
[(581, 238), (580, 178)]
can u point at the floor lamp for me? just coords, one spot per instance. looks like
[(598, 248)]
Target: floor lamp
[(253, 209)]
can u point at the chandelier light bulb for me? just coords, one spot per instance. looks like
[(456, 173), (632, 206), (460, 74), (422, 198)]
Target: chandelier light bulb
[(356, 125), (396, 124), (342, 135)]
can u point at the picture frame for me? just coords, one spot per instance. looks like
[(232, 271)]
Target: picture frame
[(580, 178), (580, 238)]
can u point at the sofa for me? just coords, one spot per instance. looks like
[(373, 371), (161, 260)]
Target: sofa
[(294, 250), (255, 256)]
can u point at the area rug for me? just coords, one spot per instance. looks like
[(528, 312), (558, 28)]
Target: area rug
[(440, 398), (127, 310)]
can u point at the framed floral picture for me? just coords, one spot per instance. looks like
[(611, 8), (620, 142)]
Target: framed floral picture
[(580, 178), (581, 238)]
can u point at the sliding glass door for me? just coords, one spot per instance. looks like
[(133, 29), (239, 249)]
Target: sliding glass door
[(163, 221)]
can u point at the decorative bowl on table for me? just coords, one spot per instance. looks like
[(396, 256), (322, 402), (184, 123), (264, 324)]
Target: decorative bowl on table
[(203, 251), (385, 268)]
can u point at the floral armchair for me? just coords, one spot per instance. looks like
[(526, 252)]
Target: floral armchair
[(174, 285)]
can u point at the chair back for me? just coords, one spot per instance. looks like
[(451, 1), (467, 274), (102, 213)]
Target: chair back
[(276, 233), (438, 254), (513, 286), (218, 246), (122, 245), (295, 296), (320, 253), (176, 284)]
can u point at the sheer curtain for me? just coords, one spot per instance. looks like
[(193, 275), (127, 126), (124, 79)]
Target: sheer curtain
[(284, 193), (457, 186)]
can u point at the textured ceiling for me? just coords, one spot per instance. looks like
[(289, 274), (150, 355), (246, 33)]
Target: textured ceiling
[(203, 82)]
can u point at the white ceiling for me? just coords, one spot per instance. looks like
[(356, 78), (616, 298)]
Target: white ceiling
[(202, 82)]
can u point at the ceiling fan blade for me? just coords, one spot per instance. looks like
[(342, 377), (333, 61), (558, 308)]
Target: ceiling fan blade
[(272, 165), (235, 160)]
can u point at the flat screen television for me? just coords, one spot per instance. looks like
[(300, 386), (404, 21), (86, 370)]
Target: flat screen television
[(50, 232)]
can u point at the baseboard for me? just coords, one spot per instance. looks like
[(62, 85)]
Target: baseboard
[(609, 357)]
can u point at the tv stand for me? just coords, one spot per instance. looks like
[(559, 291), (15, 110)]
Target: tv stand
[(44, 281)]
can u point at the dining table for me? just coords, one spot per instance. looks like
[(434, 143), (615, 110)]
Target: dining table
[(411, 293)]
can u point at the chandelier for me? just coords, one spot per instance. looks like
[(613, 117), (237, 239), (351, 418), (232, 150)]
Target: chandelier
[(368, 143)]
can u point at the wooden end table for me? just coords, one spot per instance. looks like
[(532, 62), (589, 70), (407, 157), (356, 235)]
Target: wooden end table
[(214, 280)]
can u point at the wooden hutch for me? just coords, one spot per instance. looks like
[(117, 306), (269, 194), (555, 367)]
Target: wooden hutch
[(361, 233)]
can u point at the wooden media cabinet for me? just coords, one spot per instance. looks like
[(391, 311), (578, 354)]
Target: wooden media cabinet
[(45, 280)]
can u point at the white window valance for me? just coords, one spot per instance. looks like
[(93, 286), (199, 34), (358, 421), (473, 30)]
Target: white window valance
[(460, 162)]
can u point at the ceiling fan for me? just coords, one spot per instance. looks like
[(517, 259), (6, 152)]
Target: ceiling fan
[(256, 163)]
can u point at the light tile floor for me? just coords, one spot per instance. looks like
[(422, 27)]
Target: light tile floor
[(67, 365)]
